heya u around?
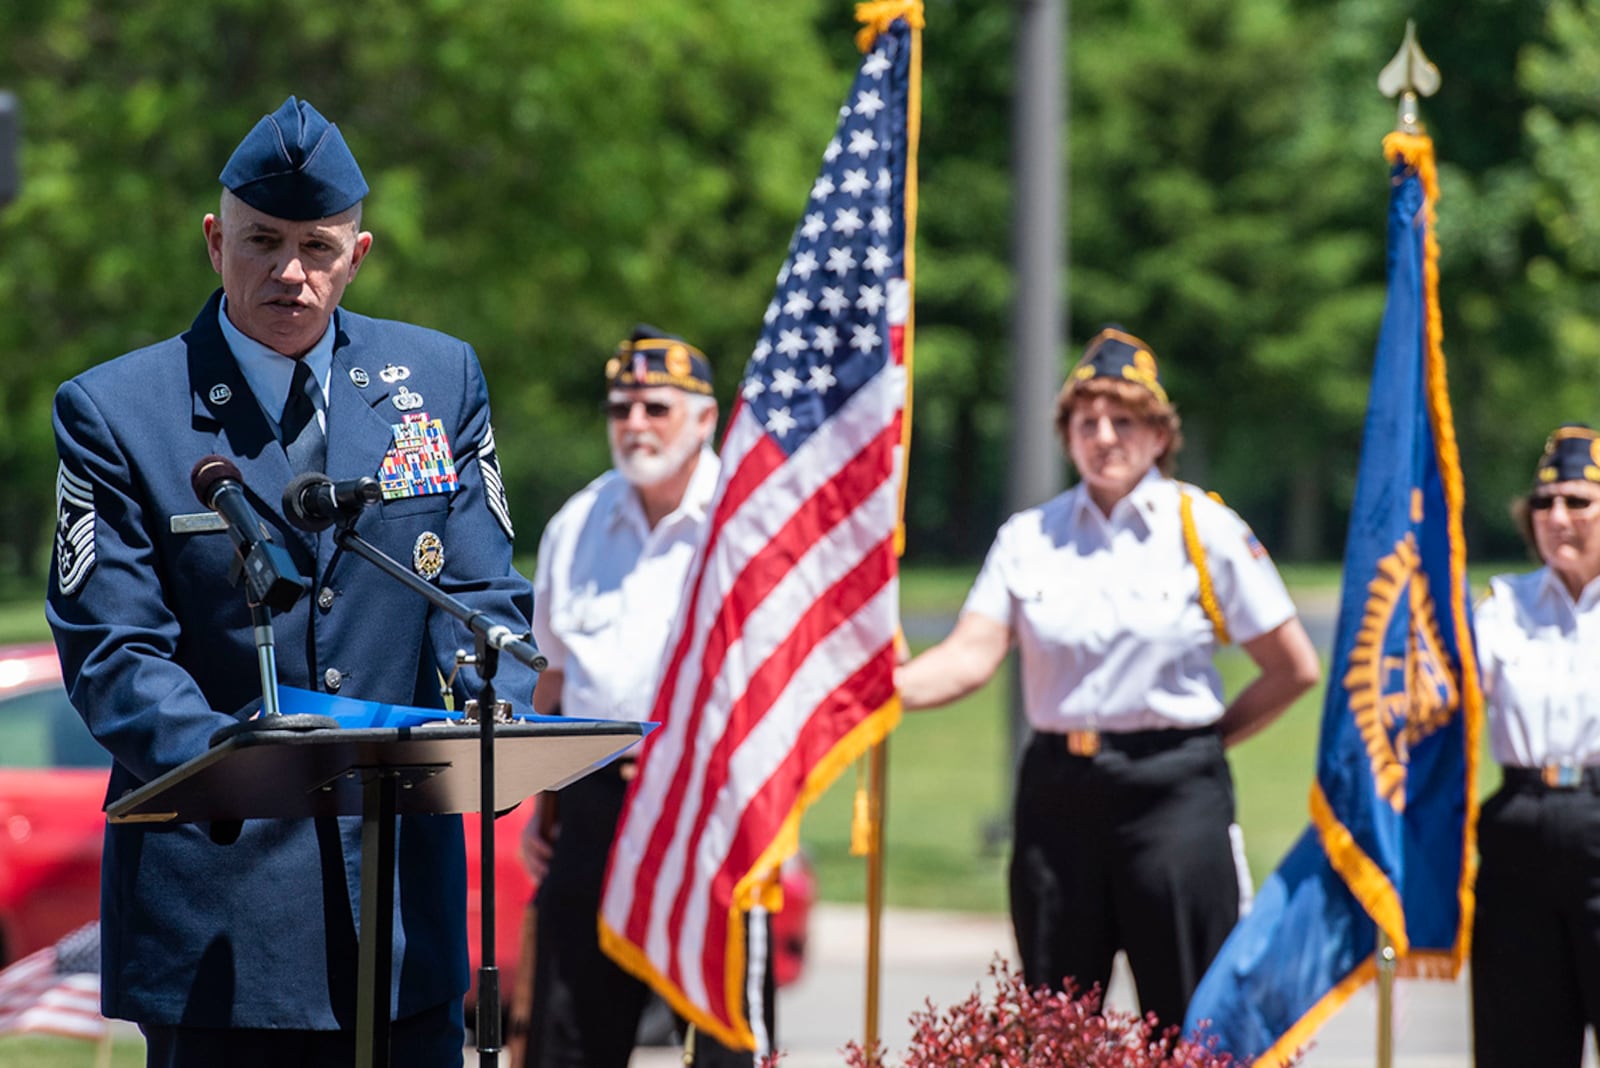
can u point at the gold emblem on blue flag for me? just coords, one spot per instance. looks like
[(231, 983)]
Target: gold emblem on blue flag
[(1401, 677)]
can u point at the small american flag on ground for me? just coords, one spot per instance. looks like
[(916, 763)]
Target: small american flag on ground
[(781, 669), (56, 990)]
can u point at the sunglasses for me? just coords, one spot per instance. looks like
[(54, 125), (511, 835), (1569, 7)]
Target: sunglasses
[(620, 410), (1574, 502)]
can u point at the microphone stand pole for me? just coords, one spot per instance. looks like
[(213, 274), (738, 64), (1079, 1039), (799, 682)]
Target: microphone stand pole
[(266, 657), (490, 640), (488, 1022)]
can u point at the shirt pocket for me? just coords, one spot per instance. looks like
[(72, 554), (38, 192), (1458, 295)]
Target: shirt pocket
[(588, 614), (1060, 612), (1158, 614), (408, 508)]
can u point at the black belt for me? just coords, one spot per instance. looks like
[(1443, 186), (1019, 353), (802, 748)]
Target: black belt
[(1129, 743), (1554, 777)]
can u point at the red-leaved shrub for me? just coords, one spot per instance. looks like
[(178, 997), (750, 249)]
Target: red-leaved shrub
[(1013, 1026)]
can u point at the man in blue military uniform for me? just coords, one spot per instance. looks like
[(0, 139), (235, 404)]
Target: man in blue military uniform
[(245, 953)]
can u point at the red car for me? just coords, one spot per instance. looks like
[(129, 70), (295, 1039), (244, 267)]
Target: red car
[(53, 783)]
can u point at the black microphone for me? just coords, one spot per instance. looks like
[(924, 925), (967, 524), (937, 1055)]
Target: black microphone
[(272, 577), (314, 502)]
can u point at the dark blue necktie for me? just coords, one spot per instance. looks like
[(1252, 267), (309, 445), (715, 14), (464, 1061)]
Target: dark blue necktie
[(303, 439)]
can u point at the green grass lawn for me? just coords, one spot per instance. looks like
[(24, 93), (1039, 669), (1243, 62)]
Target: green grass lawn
[(948, 808), (948, 803), (40, 1051), (23, 621)]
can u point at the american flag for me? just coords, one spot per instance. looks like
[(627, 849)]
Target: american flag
[(56, 990), (780, 670)]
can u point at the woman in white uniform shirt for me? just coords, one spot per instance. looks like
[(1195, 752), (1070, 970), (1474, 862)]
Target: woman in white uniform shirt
[(1536, 936), (1117, 593)]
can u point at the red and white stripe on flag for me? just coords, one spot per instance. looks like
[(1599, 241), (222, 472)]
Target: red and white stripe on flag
[(45, 992), (780, 671)]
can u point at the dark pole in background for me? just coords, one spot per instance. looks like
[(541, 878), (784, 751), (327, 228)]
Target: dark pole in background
[(10, 124), (1038, 168)]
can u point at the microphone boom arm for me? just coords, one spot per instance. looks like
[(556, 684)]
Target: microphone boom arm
[(495, 635)]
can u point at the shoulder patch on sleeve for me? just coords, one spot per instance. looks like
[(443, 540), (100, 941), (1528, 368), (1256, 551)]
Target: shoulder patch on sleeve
[(1253, 543), (74, 530), (494, 487)]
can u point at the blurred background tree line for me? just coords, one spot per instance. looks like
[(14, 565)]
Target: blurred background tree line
[(544, 174)]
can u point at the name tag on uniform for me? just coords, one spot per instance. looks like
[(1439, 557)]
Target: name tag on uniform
[(198, 523)]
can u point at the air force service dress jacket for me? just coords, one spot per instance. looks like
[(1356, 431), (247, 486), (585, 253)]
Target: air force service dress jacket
[(158, 651)]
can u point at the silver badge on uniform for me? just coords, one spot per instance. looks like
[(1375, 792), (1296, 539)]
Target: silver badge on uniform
[(358, 375), (407, 401), (427, 555), (494, 487), (74, 530), (220, 393), (392, 374)]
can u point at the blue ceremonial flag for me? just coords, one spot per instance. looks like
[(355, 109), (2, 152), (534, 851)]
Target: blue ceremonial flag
[(1394, 805)]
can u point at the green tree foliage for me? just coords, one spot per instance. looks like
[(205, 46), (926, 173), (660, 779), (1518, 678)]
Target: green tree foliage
[(546, 174), (1228, 207), (1496, 273), (1549, 377), (543, 175), (963, 281)]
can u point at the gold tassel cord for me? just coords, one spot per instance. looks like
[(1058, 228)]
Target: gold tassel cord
[(861, 814)]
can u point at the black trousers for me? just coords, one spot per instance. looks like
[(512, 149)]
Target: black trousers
[(435, 1038), (1127, 850), (1536, 934), (586, 1009)]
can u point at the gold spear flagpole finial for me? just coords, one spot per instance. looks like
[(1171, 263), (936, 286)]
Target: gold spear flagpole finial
[(1408, 75)]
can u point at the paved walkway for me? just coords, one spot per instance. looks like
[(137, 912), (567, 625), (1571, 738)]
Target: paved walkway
[(944, 956)]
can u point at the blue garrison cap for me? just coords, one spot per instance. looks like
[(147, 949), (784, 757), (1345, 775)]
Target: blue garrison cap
[(1115, 353), (652, 357), (295, 165), (1571, 454)]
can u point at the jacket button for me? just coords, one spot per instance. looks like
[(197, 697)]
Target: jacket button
[(325, 598), (332, 679)]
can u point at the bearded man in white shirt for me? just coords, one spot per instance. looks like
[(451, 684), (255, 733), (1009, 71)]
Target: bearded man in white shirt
[(607, 589)]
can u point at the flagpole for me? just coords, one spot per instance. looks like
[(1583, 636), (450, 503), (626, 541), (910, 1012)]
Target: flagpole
[(878, 16), (877, 788), (1386, 963), (1405, 76)]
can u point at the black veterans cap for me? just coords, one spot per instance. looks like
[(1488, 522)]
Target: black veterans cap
[(1115, 353), (651, 357), (1571, 454), (295, 165)]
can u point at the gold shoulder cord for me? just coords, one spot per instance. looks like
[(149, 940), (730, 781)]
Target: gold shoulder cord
[(1197, 554)]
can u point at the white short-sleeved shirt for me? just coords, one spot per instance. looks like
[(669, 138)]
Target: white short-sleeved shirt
[(1539, 656), (607, 588), (1106, 611)]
